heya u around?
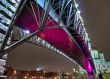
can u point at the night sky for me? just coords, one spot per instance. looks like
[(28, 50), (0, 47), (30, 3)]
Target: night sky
[(96, 15), (30, 56)]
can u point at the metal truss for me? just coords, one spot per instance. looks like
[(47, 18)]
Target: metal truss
[(12, 24), (41, 26), (64, 12)]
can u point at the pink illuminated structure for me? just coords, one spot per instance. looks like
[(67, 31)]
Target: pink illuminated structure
[(59, 23)]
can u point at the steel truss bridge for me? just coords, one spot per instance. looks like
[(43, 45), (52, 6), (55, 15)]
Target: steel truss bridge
[(53, 24)]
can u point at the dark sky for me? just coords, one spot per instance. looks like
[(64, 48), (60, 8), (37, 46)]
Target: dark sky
[(96, 15), (30, 56)]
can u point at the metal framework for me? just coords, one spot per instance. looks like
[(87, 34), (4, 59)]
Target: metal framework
[(64, 12), (20, 6)]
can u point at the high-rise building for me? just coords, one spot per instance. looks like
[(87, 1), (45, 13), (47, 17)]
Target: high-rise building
[(101, 65)]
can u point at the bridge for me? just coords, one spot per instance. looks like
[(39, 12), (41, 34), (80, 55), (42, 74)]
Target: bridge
[(53, 24)]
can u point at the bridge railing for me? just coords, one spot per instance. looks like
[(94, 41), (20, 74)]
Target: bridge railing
[(79, 25)]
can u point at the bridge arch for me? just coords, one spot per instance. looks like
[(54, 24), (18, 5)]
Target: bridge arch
[(60, 24), (38, 57)]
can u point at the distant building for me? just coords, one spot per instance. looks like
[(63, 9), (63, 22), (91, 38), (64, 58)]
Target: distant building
[(108, 65), (42, 74), (101, 65), (2, 64), (20, 74)]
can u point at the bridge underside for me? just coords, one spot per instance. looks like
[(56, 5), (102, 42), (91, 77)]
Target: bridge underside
[(53, 33), (58, 22)]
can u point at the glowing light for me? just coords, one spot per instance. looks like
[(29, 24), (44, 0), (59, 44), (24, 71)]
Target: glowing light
[(76, 5), (14, 71), (27, 31), (43, 41), (89, 68), (25, 77), (38, 69), (74, 69), (78, 12)]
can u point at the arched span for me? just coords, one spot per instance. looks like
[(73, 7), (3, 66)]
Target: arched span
[(40, 42), (54, 14)]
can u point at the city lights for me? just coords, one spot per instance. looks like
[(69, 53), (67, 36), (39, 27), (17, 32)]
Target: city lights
[(44, 75), (38, 69)]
